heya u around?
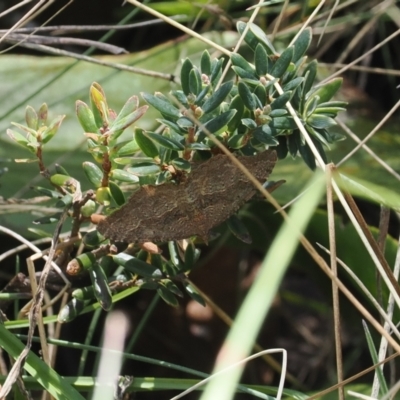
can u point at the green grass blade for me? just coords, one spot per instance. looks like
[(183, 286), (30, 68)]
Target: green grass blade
[(251, 315), (374, 355), (46, 376)]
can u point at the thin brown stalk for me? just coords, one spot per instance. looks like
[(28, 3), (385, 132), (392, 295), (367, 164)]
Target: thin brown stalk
[(372, 133), (366, 54), (363, 68), (367, 149), (34, 313), (335, 290)]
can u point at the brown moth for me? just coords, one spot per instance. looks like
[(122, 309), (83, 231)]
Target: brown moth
[(212, 192)]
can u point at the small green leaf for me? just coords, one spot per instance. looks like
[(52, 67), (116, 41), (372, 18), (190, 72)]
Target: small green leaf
[(42, 115), (318, 121), (240, 61), (246, 96), (32, 134), (136, 266), (194, 81), (93, 173), (86, 260), (184, 124), (20, 139), (64, 201), (108, 264), (249, 123), (160, 103), (236, 104), (103, 195), (255, 36), (31, 118), (328, 90), (239, 230), (187, 66), (125, 148), (181, 164), (174, 254), (60, 180), (49, 133), (334, 104), (144, 169), (93, 239), (293, 84), (280, 101), (47, 192), (198, 146), (102, 291), (218, 123), (286, 123), (310, 72), (216, 71), (169, 285), (176, 127), (70, 311), (200, 97), (130, 106), (123, 176), (167, 296), (50, 219), (25, 160), (282, 149), (264, 135), (165, 141), (310, 106), (146, 144), (162, 177), (82, 294), (217, 97), (282, 63), (85, 117), (205, 63), (261, 94), (261, 60), (194, 294), (61, 170), (117, 193), (279, 112), (181, 98), (237, 141), (157, 261), (250, 77), (307, 156), (98, 104), (166, 155), (329, 111), (190, 256), (120, 124), (301, 44)]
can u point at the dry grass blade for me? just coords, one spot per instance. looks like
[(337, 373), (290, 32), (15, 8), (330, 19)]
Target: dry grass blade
[(390, 310), (38, 7), (335, 290), (372, 133), (19, 39), (362, 57), (34, 313), (365, 290), (179, 26), (368, 150), (363, 68)]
